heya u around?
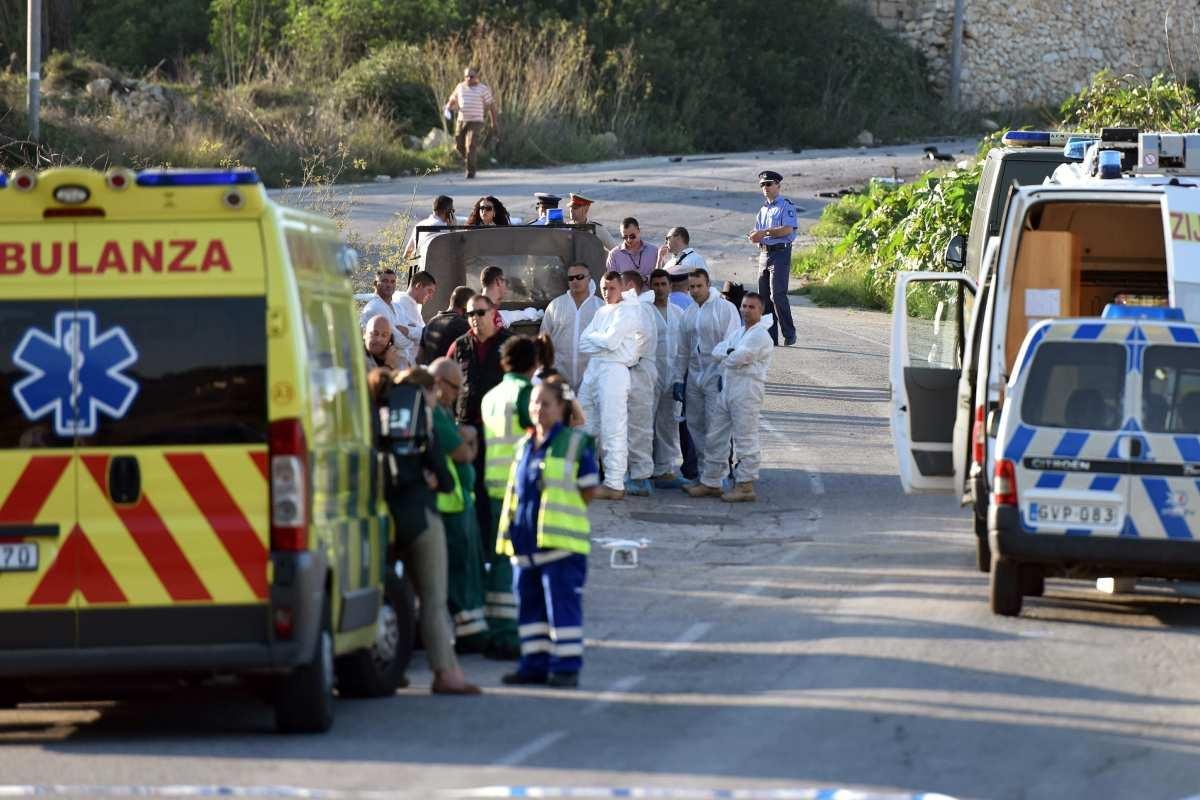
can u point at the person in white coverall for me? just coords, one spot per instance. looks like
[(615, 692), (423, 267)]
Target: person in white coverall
[(667, 455), (698, 375), (611, 342), (745, 357), (643, 385), (567, 317)]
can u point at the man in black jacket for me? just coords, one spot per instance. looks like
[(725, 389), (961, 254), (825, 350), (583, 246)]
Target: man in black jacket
[(446, 326), (478, 356)]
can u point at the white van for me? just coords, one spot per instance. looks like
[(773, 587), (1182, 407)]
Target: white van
[(1066, 249), (1098, 454)]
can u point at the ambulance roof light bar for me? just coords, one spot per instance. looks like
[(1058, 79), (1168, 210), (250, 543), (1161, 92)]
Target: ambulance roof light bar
[(197, 177), (1119, 311), (1043, 138)]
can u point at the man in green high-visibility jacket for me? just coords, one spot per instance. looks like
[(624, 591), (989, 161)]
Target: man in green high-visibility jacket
[(505, 422)]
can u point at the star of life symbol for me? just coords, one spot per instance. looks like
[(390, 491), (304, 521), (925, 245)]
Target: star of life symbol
[(75, 373)]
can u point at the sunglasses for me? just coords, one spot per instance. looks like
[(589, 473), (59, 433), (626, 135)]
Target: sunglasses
[(629, 237), (577, 277), (479, 312), (487, 208)]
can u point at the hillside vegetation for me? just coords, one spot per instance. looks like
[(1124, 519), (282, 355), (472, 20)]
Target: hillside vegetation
[(352, 86)]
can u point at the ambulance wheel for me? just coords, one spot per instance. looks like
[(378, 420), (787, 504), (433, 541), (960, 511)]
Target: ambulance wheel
[(1005, 587), (379, 670), (983, 553), (304, 697), (1033, 581)]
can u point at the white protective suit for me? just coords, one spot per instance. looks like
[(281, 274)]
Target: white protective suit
[(604, 392), (744, 357), (564, 323), (667, 455), (643, 388), (703, 328)]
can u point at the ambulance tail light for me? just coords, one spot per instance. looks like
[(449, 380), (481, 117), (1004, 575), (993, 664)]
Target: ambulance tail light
[(1004, 483), (289, 485), (119, 179), (284, 622), (978, 438)]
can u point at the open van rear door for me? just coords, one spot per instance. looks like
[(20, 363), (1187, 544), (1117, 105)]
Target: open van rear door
[(1181, 216), (930, 312)]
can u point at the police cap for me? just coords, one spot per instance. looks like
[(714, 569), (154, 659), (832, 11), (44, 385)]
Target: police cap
[(579, 200), (769, 175), (546, 200)]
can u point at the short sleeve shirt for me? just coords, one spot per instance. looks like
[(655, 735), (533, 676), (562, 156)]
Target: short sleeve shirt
[(523, 530), (472, 100), (775, 214), (446, 431)]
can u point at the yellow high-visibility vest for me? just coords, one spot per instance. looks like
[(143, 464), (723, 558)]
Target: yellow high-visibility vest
[(562, 519), (502, 430)]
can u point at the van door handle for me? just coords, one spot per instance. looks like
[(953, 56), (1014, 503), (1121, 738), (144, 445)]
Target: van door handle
[(124, 480)]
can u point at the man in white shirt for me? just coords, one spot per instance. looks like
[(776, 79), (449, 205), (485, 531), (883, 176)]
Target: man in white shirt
[(677, 254), (411, 323), (745, 357), (442, 216), (643, 381), (567, 317), (604, 393), (667, 453), (705, 325), (381, 304)]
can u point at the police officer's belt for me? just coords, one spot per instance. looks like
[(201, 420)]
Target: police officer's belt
[(774, 248)]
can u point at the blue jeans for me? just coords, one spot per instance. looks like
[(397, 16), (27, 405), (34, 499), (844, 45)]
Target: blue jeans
[(774, 269)]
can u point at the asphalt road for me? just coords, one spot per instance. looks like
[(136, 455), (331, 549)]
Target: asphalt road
[(833, 636)]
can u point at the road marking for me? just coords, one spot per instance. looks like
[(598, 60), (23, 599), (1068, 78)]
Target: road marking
[(610, 694), (543, 742), (815, 481), (669, 793), (690, 636)]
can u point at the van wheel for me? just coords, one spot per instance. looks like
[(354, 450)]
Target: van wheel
[(1005, 586), (304, 696), (379, 671), (1033, 581), (983, 553)]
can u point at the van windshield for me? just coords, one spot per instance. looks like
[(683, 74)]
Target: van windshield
[(1171, 390), (1075, 385), (533, 280)]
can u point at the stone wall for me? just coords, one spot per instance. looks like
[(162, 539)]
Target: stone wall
[(1027, 52)]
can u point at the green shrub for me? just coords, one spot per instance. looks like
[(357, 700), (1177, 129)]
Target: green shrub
[(1161, 103), (395, 80)]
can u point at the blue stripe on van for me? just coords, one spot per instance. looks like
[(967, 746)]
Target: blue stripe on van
[(1185, 335), (1129, 530), (1019, 443), (1037, 336), (1104, 483), (1160, 495), (1072, 442), (1051, 480), (1189, 447), (1089, 331)]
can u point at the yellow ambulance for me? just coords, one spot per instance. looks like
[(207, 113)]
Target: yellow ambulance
[(187, 480)]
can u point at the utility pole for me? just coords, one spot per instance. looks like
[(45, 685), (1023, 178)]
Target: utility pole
[(33, 68), (956, 45)]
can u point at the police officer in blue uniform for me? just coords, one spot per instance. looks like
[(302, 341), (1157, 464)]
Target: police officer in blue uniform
[(544, 202), (774, 231)]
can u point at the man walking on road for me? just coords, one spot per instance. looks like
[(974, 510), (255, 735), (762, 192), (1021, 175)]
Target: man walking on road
[(745, 357), (472, 100), (643, 383), (567, 317), (705, 325), (604, 393), (774, 231), (633, 253), (666, 424), (446, 326)]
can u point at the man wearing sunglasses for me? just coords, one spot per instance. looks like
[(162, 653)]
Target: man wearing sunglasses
[(774, 231), (633, 252), (567, 317)]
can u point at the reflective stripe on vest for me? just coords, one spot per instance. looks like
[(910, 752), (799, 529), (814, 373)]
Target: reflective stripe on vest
[(562, 519), (453, 501), (503, 431)]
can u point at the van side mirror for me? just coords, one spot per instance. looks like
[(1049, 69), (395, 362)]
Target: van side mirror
[(956, 253)]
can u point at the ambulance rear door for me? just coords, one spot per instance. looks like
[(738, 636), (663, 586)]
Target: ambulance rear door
[(930, 312), (39, 544), (172, 467)]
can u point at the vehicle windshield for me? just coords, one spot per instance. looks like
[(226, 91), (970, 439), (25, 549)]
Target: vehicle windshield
[(1171, 390), (533, 280), (1075, 385)]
